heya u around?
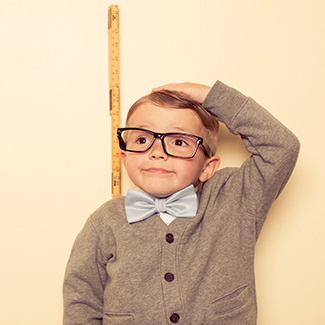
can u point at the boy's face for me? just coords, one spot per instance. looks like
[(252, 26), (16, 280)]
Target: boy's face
[(154, 171)]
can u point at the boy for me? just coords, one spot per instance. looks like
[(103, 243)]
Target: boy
[(182, 254)]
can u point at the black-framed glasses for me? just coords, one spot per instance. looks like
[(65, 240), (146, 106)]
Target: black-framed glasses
[(175, 144)]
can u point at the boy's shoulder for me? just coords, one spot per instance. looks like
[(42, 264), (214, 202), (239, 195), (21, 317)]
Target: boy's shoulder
[(222, 176), (223, 182), (112, 211), (112, 204)]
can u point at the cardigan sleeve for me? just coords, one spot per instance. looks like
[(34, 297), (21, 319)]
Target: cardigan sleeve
[(85, 279), (273, 148)]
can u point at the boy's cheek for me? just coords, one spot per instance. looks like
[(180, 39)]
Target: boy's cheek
[(129, 161)]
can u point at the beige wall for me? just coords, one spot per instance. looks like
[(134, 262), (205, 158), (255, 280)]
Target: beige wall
[(55, 131)]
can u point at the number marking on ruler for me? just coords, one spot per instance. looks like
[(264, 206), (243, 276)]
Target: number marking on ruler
[(114, 94)]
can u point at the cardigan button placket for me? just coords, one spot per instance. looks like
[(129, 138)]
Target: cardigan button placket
[(171, 284)]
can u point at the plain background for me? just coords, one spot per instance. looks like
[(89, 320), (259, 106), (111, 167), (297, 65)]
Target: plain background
[(55, 131)]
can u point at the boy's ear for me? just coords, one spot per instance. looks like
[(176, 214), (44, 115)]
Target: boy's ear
[(123, 157), (210, 167)]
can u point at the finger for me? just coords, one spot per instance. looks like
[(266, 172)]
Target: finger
[(172, 87)]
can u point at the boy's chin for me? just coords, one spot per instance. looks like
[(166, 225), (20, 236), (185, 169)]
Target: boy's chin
[(161, 193)]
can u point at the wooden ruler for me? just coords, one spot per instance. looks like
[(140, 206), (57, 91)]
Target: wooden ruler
[(114, 93)]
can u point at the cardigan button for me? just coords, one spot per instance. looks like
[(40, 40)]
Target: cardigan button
[(169, 277), (170, 238), (174, 318)]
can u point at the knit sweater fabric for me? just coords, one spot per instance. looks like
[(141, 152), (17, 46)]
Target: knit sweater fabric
[(193, 271)]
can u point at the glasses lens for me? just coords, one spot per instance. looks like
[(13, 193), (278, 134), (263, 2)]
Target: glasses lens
[(136, 140), (180, 145)]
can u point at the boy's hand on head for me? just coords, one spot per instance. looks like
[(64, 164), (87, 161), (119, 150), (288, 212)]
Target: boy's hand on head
[(195, 91)]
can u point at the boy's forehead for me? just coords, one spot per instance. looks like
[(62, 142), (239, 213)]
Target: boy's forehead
[(151, 115), (148, 108), (148, 105)]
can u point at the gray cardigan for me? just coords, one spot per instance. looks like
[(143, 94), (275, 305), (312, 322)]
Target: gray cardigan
[(194, 271)]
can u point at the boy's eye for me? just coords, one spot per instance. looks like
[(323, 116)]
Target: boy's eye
[(180, 142), (142, 140)]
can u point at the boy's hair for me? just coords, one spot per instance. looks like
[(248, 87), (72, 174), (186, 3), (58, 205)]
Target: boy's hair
[(171, 99)]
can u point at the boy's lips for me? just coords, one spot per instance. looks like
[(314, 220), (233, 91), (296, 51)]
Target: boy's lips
[(157, 170)]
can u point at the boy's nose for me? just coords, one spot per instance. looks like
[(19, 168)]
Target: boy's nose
[(157, 150)]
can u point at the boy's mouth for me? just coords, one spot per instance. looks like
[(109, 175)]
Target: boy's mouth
[(157, 171)]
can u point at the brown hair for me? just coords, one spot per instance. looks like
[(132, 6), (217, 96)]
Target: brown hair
[(171, 99)]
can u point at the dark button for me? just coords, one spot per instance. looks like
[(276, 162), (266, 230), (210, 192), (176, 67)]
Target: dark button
[(169, 238), (174, 318), (169, 277)]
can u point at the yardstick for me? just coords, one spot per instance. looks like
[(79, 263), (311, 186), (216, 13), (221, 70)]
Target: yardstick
[(114, 93)]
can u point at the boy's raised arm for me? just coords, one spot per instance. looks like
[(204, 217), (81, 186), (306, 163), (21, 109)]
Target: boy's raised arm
[(274, 148)]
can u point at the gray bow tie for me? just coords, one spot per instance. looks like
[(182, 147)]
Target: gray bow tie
[(140, 205)]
